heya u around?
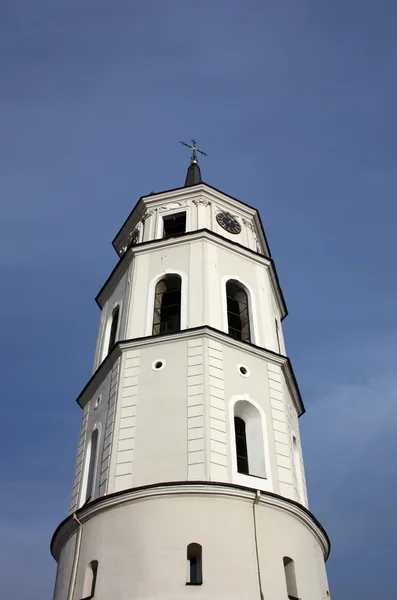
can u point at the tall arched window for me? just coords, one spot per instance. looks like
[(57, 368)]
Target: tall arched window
[(90, 580), (167, 305), (194, 564), (249, 438), (113, 328), (238, 317), (290, 579), (92, 458)]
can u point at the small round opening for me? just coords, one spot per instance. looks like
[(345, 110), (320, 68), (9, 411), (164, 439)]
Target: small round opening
[(97, 402), (158, 364), (243, 370)]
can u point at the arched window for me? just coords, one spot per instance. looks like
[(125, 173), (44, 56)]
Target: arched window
[(241, 446), (238, 317), (290, 579), (113, 328), (92, 458), (90, 580), (194, 564), (249, 438), (167, 305)]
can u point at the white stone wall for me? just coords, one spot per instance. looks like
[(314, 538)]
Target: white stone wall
[(140, 546), (177, 423), (217, 426), (106, 454), (298, 470), (204, 265), (195, 410), (99, 417), (117, 295), (127, 414), (79, 459)]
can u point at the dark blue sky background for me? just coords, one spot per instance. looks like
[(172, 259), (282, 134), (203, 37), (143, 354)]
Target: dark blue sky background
[(296, 104)]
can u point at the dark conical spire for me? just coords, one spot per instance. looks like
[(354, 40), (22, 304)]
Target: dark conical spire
[(193, 175)]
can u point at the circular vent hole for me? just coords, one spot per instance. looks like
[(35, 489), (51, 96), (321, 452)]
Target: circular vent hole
[(158, 364), (244, 371)]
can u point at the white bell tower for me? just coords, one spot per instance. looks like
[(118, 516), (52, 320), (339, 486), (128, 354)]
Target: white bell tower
[(189, 479)]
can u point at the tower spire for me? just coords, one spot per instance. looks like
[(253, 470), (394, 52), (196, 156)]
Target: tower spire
[(193, 175)]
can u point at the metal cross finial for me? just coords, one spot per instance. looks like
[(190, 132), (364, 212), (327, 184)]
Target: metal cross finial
[(193, 147)]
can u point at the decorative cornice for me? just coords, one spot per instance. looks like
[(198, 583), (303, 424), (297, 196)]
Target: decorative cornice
[(172, 206), (132, 238), (248, 224), (198, 488), (201, 190), (213, 237), (201, 201), (220, 336), (147, 214)]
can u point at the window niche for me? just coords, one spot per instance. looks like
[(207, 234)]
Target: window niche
[(167, 305), (238, 317), (90, 580), (290, 578), (194, 564)]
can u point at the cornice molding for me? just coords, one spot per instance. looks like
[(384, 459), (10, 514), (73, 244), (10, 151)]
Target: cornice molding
[(201, 190), (215, 334), (198, 488), (212, 237)]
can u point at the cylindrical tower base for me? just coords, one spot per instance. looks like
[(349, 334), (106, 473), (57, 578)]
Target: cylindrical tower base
[(138, 540)]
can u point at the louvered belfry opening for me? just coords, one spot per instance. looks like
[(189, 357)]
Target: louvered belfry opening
[(167, 305), (174, 224)]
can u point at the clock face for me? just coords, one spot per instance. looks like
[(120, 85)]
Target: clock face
[(228, 222)]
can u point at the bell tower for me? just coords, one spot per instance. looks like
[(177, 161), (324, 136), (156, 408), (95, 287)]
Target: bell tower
[(189, 479)]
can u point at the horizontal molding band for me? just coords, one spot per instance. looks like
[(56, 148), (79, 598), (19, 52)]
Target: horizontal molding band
[(180, 488), (192, 333)]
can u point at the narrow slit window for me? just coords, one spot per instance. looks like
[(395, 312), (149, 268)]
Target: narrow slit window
[(194, 565), (241, 446), (290, 578), (174, 224), (278, 336), (113, 329), (167, 305), (238, 311), (92, 465), (90, 580)]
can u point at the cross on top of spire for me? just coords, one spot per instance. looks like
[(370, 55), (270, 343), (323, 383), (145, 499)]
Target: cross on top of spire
[(194, 149)]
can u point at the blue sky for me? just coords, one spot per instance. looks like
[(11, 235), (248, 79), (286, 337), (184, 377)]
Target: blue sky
[(296, 104)]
